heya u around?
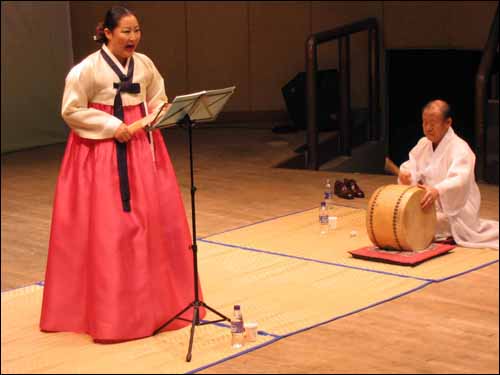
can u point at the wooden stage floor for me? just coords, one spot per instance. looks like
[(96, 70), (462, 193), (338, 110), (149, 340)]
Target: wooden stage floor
[(447, 327)]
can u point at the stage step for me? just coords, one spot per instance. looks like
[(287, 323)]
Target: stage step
[(367, 158), (492, 151), (328, 145)]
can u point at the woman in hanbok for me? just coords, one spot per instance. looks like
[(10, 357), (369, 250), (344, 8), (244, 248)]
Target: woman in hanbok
[(119, 262)]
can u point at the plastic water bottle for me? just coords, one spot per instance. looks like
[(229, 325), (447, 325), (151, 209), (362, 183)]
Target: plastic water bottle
[(328, 196), (323, 218), (237, 328)]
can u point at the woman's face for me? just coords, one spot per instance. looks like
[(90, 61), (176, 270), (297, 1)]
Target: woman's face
[(123, 40)]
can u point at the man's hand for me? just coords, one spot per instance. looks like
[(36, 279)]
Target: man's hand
[(430, 196), (405, 177), (122, 134)]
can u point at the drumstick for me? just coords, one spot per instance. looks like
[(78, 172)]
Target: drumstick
[(391, 167)]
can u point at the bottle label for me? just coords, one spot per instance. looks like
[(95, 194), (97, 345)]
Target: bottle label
[(323, 219), (328, 195), (237, 327)]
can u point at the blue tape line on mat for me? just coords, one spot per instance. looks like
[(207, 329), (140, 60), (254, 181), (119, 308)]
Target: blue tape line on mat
[(317, 261), (225, 325), (234, 355), (359, 310), (264, 333), (257, 222), (465, 272), (277, 337), (24, 286), (324, 262), (271, 219)]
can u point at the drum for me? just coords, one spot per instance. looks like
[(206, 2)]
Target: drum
[(395, 220)]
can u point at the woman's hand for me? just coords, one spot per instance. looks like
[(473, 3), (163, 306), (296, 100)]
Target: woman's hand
[(162, 112), (141, 123), (122, 134), (165, 109)]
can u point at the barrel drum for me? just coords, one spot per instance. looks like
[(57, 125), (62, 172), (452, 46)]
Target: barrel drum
[(395, 220)]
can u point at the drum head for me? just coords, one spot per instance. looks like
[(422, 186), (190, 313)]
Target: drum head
[(418, 226)]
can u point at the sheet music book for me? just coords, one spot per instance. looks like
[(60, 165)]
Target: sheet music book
[(201, 106)]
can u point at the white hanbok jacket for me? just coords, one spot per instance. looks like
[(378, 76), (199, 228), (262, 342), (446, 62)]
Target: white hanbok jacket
[(91, 81), (450, 169)]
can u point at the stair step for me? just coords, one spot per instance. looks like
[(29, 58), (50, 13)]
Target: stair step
[(492, 112), (367, 158), (492, 172), (492, 142), (332, 164), (492, 139), (327, 149), (494, 86)]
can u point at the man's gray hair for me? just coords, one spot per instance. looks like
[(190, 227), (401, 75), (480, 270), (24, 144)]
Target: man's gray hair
[(443, 107)]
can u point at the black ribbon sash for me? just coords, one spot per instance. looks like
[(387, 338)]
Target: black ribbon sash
[(125, 85)]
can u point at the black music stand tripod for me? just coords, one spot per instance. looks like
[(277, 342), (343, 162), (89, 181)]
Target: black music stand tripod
[(196, 304)]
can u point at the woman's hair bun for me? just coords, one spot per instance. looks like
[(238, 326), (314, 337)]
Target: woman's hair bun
[(99, 36)]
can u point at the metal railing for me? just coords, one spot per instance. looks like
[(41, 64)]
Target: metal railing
[(481, 97), (343, 34)]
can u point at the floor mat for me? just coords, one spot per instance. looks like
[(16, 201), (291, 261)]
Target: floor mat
[(284, 295), (298, 235)]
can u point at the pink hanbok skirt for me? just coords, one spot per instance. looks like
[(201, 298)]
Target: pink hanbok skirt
[(112, 274)]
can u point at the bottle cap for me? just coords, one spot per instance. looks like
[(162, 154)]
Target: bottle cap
[(323, 204), (236, 307)]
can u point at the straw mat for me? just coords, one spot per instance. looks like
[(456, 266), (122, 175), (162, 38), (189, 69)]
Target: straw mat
[(284, 295), (298, 235)]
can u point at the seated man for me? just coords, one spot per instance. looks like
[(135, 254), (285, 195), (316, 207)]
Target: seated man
[(443, 164)]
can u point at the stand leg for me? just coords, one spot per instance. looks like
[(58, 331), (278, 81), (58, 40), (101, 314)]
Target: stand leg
[(191, 337), (196, 304), (214, 311), (158, 330)]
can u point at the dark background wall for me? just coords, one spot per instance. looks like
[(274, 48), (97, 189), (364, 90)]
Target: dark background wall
[(36, 56), (448, 74), (257, 46)]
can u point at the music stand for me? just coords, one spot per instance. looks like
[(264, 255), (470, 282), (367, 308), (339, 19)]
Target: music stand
[(187, 110)]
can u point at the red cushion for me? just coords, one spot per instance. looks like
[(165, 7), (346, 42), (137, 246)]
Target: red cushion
[(405, 258)]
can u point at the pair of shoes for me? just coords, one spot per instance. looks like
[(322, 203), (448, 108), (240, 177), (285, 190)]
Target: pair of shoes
[(340, 189), (348, 189), (354, 188)]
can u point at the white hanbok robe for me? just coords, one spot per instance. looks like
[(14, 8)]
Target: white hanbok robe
[(450, 170), (92, 81)]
